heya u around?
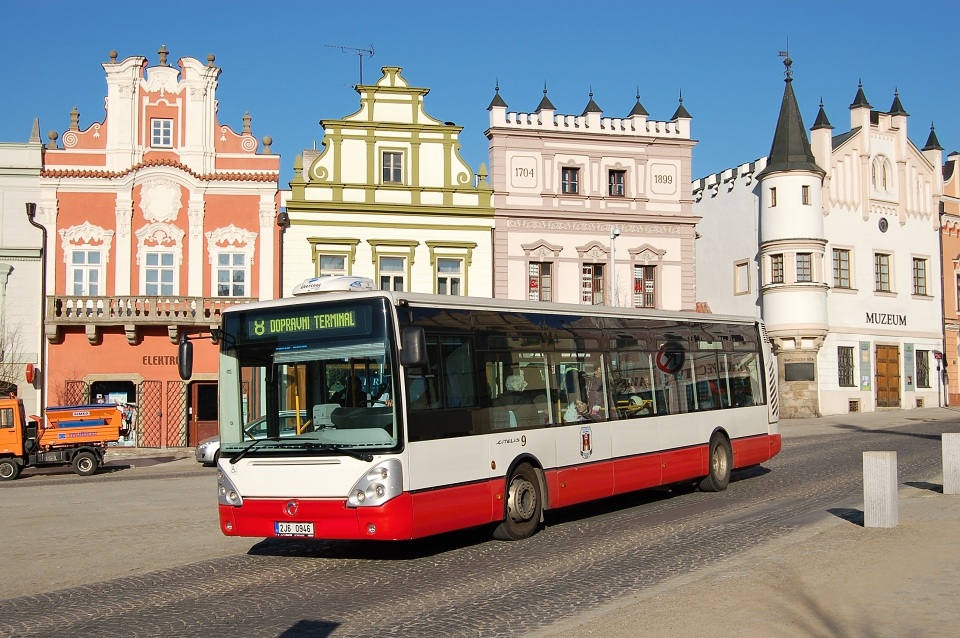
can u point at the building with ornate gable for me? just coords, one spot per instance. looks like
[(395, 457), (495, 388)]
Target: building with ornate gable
[(592, 209), (156, 218), (833, 241), (950, 241), (389, 197)]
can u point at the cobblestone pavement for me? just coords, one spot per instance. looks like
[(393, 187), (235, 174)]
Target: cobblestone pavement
[(577, 576)]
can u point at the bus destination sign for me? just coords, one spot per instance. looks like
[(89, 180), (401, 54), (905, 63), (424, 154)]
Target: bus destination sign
[(304, 323)]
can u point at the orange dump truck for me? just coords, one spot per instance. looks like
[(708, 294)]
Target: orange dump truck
[(74, 435)]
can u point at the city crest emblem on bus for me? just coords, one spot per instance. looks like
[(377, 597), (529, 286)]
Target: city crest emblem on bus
[(586, 442)]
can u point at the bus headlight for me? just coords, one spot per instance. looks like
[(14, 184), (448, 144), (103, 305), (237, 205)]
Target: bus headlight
[(381, 483), (227, 493)]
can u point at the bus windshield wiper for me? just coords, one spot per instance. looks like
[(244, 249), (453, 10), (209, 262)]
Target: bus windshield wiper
[(244, 451), (360, 456)]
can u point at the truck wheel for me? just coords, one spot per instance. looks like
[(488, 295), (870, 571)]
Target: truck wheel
[(9, 469), (85, 463)]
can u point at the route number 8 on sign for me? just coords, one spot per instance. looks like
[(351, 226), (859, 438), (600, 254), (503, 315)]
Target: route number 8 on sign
[(670, 357)]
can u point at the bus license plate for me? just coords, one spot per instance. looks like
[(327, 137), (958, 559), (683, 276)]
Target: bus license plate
[(293, 529)]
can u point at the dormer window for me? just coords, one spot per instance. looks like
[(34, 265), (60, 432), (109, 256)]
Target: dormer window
[(161, 133)]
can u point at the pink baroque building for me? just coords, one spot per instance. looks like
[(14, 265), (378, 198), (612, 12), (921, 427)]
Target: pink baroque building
[(155, 219), (592, 209), (950, 242)]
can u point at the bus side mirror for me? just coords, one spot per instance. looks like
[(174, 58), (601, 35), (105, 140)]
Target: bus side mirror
[(413, 347), (185, 358)]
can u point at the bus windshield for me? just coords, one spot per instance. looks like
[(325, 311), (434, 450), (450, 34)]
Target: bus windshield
[(310, 378)]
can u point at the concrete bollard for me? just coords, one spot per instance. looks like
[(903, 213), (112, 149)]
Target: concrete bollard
[(880, 507), (950, 442)]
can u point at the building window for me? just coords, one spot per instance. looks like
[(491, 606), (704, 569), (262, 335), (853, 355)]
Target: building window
[(804, 267), (332, 264), (841, 268), (449, 276), (773, 197), (923, 368), (569, 181), (392, 270), (231, 275), (159, 274), (741, 278), (644, 287), (805, 195), (392, 168), (591, 284), (615, 183), (881, 263), (161, 133), (919, 276), (845, 375), (86, 268), (776, 269), (540, 286)]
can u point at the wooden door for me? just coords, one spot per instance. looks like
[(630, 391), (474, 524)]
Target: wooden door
[(203, 411), (888, 377)]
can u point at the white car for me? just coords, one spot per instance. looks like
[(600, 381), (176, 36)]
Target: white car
[(208, 450)]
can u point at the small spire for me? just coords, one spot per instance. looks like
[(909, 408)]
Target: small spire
[(933, 144), (497, 100), (246, 123), (74, 119), (822, 121), (591, 106), (860, 101), (35, 131), (545, 103), (897, 108), (681, 112), (638, 108)]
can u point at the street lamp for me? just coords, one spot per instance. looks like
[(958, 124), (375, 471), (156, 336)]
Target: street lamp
[(614, 233), (31, 214), (283, 221)]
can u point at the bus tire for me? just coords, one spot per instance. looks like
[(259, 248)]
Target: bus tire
[(85, 463), (720, 465), (524, 505), (9, 469)]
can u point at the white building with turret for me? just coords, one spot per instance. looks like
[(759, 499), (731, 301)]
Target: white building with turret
[(833, 241)]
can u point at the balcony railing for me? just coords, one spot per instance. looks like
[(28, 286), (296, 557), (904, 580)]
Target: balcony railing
[(133, 311)]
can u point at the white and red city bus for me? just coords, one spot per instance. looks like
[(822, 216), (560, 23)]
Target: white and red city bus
[(421, 414)]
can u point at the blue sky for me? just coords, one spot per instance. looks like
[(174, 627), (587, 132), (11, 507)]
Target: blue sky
[(722, 56)]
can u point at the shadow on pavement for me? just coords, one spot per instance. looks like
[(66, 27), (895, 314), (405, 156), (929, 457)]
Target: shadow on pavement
[(848, 514), (924, 485)]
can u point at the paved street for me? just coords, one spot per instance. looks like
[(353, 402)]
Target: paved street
[(136, 551)]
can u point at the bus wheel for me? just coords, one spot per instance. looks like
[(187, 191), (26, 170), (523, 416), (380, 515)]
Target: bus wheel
[(85, 463), (523, 505), (721, 463), (9, 469)]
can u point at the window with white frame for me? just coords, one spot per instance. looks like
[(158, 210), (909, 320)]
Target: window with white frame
[(804, 267), (841, 268), (392, 167), (392, 271), (232, 275), (644, 286), (449, 276), (161, 133), (741, 278), (86, 273), (569, 180), (615, 184), (159, 273), (540, 285), (881, 263), (331, 264), (591, 284), (776, 269), (919, 276)]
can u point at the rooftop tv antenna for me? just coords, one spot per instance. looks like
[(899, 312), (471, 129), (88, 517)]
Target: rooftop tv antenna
[(360, 53)]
